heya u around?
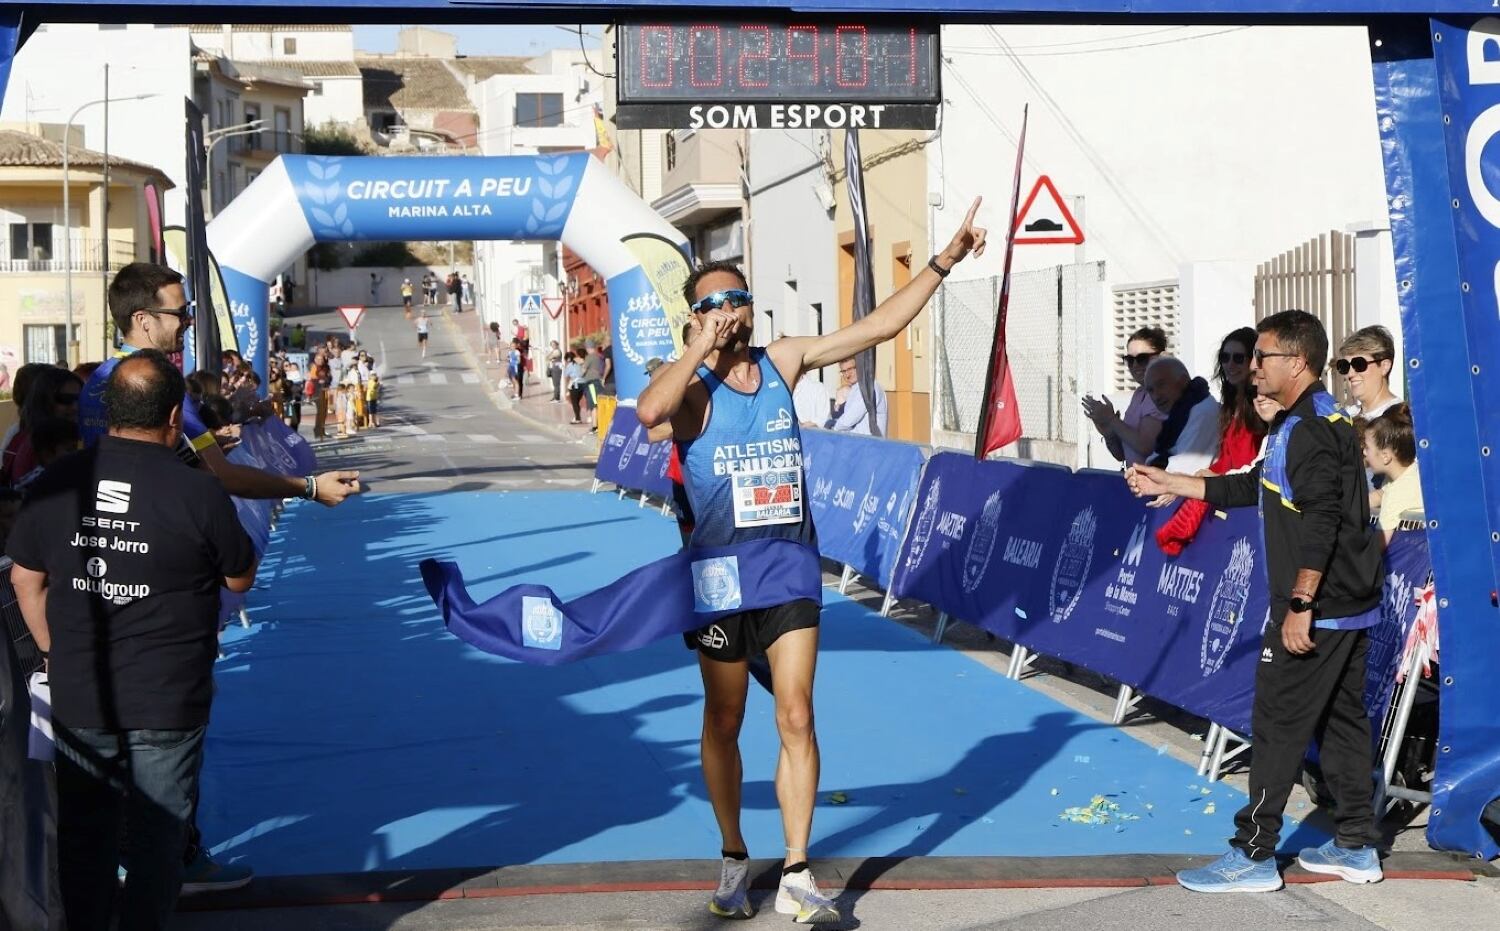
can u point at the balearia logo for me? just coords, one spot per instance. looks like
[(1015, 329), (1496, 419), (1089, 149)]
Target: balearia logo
[(982, 546), (112, 497), (1071, 571), (1227, 607), (628, 453), (926, 523)]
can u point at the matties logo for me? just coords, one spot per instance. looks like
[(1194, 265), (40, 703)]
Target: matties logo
[(926, 523), (1227, 607), (982, 546), (112, 497), (1071, 571)]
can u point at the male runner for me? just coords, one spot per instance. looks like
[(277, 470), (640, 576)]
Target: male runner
[(729, 405)]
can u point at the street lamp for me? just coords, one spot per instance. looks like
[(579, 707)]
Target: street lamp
[(68, 220), (213, 138)]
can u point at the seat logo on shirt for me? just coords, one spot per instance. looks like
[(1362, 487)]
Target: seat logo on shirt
[(783, 421), (112, 497)]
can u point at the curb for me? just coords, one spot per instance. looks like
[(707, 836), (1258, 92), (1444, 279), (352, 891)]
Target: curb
[(913, 874)]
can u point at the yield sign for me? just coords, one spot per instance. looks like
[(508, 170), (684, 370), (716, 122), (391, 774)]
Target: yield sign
[(352, 314), (1046, 220), (554, 306)]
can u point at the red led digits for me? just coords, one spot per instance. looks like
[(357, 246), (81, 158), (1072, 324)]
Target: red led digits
[(763, 56), (864, 56), (718, 55), (793, 55), (911, 38), (664, 56)]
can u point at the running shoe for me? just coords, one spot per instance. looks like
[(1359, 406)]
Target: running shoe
[(204, 874), (732, 899), (799, 896), (1351, 864), (1233, 872)]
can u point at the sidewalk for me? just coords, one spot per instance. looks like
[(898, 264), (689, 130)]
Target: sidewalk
[(537, 405)]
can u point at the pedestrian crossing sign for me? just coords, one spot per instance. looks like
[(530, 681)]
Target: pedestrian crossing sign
[(531, 304)]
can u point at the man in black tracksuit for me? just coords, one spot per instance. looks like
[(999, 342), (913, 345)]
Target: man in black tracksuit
[(1324, 569)]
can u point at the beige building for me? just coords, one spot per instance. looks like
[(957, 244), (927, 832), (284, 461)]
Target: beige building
[(43, 249), (895, 170), (701, 191)]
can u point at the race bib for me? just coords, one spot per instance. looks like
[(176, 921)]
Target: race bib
[(767, 496)]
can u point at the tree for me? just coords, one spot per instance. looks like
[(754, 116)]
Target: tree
[(331, 139)]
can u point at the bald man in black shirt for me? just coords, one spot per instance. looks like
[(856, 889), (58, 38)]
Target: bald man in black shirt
[(118, 557)]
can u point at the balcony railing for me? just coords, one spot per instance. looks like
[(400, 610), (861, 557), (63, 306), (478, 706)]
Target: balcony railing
[(266, 142), (88, 255)]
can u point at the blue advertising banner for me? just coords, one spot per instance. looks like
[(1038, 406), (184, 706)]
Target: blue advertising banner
[(1408, 568), (628, 460), (860, 491), (1067, 565), (437, 197)]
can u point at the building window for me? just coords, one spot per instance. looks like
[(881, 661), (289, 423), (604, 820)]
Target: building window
[(539, 110), (46, 343), (288, 46), (252, 140), (282, 123), (317, 90), (31, 242), (671, 151), (386, 122)]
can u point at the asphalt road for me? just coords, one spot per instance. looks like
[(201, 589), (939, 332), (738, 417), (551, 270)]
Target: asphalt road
[(440, 429)]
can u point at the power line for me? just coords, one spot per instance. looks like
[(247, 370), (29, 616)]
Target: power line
[(1136, 208), (1108, 38)]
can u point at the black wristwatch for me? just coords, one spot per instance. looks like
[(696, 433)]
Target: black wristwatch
[(1300, 605), (942, 272)]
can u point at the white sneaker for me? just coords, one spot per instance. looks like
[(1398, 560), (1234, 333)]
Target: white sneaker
[(799, 896), (732, 899)]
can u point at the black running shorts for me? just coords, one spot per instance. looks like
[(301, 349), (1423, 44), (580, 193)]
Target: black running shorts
[(738, 637)]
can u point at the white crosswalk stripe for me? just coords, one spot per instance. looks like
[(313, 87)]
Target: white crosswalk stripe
[(438, 378), (471, 378), (405, 379), (482, 438), (409, 429), (432, 438), (530, 438)]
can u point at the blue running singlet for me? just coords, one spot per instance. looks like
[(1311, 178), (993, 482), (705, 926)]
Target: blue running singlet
[(743, 475)]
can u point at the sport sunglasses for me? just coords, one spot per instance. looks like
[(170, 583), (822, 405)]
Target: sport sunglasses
[(1359, 364), (718, 299)]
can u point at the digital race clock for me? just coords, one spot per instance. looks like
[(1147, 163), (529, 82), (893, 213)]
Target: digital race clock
[(726, 74)]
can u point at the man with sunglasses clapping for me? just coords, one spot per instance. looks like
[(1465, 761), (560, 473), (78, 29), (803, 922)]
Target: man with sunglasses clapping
[(730, 409)]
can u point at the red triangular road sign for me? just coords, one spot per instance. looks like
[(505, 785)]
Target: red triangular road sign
[(554, 306), (352, 314), (1046, 221)]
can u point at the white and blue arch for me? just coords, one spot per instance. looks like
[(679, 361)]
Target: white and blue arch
[(300, 200)]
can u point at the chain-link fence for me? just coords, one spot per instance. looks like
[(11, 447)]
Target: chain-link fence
[(1054, 313)]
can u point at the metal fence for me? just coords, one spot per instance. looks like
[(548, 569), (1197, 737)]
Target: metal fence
[(1051, 328), (15, 627)]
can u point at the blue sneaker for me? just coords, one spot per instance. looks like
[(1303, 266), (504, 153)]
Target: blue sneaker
[(1351, 864), (204, 874), (1233, 872)]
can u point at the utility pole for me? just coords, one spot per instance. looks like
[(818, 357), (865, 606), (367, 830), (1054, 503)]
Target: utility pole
[(104, 226)]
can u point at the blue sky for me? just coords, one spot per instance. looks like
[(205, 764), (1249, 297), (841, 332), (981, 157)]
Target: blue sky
[(485, 40)]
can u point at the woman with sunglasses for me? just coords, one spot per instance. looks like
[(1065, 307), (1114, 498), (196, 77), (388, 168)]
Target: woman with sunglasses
[(1241, 430), (1131, 436), (1365, 360)]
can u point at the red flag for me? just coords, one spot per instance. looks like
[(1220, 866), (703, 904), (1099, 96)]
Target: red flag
[(1000, 420)]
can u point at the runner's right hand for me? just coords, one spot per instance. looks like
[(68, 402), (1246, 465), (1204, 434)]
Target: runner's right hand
[(713, 326)]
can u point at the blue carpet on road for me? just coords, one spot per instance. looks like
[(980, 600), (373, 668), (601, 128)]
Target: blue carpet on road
[(351, 732)]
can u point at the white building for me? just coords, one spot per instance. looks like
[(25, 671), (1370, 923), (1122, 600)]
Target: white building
[(792, 236), (551, 110), (323, 55), (61, 67), (1187, 157)]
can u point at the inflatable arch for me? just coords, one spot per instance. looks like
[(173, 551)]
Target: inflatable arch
[(300, 200)]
